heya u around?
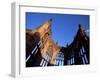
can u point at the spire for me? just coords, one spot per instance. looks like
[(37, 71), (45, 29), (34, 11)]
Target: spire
[(81, 30), (50, 19), (47, 24), (79, 26), (67, 45), (57, 42)]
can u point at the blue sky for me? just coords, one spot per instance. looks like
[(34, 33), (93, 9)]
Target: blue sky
[(64, 26)]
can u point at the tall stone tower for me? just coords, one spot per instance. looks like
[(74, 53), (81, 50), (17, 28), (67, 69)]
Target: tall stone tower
[(41, 37)]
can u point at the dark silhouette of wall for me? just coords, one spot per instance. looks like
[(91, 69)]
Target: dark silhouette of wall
[(32, 41), (73, 50)]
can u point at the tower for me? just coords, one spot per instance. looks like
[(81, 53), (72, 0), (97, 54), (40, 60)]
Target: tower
[(40, 48)]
